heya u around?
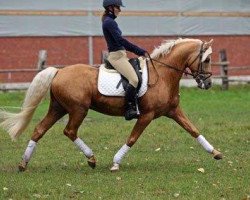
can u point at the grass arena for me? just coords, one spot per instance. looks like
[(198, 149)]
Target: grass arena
[(165, 163)]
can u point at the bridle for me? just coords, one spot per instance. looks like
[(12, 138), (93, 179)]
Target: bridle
[(200, 71), (199, 75)]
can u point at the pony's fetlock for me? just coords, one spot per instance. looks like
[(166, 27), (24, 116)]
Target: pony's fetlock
[(92, 162), (115, 167), (217, 155)]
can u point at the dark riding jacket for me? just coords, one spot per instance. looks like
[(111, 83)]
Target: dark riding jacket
[(114, 39)]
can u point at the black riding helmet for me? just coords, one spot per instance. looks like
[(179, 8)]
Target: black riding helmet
[(107, 3)]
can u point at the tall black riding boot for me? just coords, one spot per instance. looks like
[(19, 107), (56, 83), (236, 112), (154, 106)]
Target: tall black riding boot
[(131, 103)]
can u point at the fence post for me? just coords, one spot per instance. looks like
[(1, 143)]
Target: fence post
[(224, 69), (42, 56)]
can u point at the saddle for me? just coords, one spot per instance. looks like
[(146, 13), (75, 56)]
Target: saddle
[(124, 81), (111, 83)]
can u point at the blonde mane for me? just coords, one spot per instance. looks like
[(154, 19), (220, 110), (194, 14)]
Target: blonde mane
[(166, 46)]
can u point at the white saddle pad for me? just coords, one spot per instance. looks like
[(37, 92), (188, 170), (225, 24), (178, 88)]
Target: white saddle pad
[(109, 79)]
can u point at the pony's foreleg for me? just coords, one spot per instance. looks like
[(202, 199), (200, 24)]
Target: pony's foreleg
[(139, 127), (184, 122)]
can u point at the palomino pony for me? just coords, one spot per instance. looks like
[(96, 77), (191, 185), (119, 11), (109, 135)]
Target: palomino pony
[(74, 91)]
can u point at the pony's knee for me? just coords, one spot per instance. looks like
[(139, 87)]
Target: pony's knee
[(70, 134)]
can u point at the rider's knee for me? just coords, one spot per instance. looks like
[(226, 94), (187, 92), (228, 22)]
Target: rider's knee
[(134, 81)]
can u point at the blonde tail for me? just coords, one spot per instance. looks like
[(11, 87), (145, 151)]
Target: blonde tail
[(16, 123)]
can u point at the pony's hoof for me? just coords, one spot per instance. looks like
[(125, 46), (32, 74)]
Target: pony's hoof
[(22, 166), (92, 162), (217, 154), (115, 167)]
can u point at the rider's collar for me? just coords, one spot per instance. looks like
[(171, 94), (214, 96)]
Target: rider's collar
[(111, 15)]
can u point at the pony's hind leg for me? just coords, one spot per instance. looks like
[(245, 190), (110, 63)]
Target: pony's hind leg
[(185, 123), (75, 119), (55, 113)]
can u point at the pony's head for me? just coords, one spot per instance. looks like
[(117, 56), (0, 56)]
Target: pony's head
[(189, 53), (200, 65)]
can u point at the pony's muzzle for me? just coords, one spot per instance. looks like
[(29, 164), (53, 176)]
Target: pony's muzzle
[(203, 82), (208, 83)]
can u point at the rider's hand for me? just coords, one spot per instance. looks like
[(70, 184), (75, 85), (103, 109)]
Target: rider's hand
[(146, 55)]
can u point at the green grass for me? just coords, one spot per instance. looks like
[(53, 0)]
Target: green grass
[(59, 171)]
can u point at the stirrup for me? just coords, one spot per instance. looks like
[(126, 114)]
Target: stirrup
[(132, 113)]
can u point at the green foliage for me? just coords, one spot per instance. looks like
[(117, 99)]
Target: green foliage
[(163, 164)]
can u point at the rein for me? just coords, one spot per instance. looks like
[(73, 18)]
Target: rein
[(170, 66), (151, 60), (167, 65)]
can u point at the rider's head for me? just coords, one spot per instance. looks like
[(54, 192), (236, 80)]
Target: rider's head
[(113, 6), (107, 3)]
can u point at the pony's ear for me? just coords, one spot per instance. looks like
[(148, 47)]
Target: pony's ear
[(208, 44)]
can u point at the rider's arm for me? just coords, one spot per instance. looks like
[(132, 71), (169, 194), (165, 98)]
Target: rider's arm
[(116, 34)]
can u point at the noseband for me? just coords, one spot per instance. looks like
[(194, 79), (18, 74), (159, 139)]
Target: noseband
[(199, 75)]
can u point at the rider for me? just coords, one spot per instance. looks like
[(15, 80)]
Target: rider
[(117, 46)]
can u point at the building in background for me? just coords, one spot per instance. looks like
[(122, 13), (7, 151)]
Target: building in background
[(71, 32)]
